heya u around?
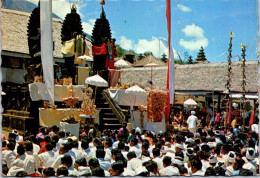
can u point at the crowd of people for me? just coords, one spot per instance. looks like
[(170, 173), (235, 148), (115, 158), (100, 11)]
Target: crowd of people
[(186, 150)]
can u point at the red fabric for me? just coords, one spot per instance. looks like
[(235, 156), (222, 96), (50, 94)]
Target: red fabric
[(34, 175), (252, 116), (114, 76), (102, 50), (168, 17), (110, 62), (99, 50), (229, 114), (110, 59), (42, 144)]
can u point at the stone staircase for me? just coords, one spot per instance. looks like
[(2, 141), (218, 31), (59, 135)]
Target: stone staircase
[(107, 116)]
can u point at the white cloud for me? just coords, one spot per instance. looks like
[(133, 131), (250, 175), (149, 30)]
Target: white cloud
[(183, 8), (125, 43), (156, 46), (197, 33), (88, 26)]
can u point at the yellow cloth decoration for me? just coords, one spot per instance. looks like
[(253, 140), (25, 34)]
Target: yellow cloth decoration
[(68, 48)]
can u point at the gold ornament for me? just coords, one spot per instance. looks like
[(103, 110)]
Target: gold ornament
[(102, 2)]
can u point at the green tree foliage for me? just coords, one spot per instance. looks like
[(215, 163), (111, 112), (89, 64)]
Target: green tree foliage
[(120, 50)]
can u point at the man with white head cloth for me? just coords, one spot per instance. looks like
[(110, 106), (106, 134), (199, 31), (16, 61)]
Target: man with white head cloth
[(192, 122)]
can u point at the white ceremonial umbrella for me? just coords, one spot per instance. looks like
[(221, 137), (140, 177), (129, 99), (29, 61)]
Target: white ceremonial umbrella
[(87, 58), (136, 90), (190, 103), (121, 64), (97, 81)]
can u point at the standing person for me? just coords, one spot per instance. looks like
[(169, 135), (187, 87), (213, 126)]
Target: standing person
[(124, 131), (192, 122)]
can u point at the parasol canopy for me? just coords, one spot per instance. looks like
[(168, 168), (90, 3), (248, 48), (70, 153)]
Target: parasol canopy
[(96, 80), (3, 93), (135, 90), (190, 103), (87, 58), (121, 64)]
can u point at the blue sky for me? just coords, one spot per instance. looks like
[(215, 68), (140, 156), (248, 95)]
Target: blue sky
[(139, 24)]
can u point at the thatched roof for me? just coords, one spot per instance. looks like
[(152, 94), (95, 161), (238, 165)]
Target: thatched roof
[(14, 27), (197, 77), (147, 60)]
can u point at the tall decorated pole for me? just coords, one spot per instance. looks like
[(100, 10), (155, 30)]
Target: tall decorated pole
[(228, 84), (243, 84)]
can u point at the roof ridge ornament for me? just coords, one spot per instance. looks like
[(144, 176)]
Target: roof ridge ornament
[(102, 2)]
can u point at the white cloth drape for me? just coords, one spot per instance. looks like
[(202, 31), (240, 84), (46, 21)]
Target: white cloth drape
[(47, 47), (172, 77)]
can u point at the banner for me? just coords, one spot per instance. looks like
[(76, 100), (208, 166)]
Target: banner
[(170, 72), (47, 47), (258, 49)]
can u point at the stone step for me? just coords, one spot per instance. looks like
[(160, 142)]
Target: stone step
[(109, 115), (106, 105), (101, 100), (110, 121), (111, 126), (107, 110)]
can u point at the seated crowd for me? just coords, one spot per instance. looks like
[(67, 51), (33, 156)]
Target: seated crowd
[(206, 152)]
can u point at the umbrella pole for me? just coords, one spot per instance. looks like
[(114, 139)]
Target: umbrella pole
[(151, 78), (95, 93)]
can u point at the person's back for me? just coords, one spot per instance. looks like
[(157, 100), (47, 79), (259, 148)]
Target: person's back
[(168, 170), (48, 157), (192, 122)]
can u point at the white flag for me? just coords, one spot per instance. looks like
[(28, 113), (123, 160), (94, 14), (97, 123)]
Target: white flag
[(172, 76), (47, 47)]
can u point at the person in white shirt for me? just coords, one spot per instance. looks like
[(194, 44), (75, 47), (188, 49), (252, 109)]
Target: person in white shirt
[(76, 150), (100, 154), (63, 151), (94, 164), (196, 167), (133, 163), (62, 137), (85, 150), (9, 155), (36, 148), (29, 151), (96, 143), (168, 170), (192, 122), (81, 166), (67, 162), (157, 158), (108, 148), (254, 126), (135, 147), (27, 162), (47, 158), (203, 160), (250, 165)]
